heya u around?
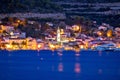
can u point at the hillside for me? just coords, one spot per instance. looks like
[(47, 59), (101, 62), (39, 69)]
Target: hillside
[(43, 6), (12, 6), (89, 1), (97, 10)]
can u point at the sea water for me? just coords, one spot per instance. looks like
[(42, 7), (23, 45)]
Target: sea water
[(54, 65)]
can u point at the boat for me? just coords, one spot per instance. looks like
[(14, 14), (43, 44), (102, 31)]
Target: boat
[(106, 47), (117, 49)]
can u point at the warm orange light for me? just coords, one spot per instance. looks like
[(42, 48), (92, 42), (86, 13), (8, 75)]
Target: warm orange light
[(11, 33), (118, 45), (99, 33), (82, 47), (75, 28), (18, 21), (39, 46), (52, 46), (61, 31), (109, 33), (8, 46)]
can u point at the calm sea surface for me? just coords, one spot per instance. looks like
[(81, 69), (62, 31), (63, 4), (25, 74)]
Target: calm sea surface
[(68, 65)]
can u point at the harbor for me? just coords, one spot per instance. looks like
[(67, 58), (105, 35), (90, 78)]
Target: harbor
[(62, 41), (59, 39), (53, 65)]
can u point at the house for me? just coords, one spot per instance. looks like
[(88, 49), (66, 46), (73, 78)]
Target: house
[(31, 43), (17, 43)]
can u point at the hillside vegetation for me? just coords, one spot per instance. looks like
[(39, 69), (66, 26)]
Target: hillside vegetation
[(90, 1), (11, 6)]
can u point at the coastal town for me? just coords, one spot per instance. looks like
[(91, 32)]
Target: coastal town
[(15, 35), (59, 39)]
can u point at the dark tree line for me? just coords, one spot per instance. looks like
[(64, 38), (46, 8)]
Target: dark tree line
[(89, 1), (11, 6), (97, 1)]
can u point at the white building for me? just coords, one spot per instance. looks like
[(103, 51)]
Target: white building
[(58, 35)]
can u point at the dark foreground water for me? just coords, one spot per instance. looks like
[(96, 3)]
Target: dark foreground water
[(68, 65)]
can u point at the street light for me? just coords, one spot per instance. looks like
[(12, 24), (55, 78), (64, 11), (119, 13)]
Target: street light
[(75, 28), (99, 33)]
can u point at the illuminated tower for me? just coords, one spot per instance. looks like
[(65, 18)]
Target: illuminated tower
[(58, 35)]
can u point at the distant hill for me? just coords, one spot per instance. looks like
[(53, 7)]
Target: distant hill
[(90, 1), (11, 6), (43, 6), (99, 10)]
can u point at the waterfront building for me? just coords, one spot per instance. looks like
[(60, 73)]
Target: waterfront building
[(40, 44), (31, 44), (17, 43)]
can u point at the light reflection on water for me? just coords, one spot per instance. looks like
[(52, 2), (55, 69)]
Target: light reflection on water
[(100, 71), (100, 53), (49, 65), (60, 67), (77, 68)]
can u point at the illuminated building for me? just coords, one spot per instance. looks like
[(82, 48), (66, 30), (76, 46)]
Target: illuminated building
[(109, 33), (17, 43), (75, 28), (32, 44), (17, 35), (40, 44), (58, 35)]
